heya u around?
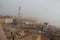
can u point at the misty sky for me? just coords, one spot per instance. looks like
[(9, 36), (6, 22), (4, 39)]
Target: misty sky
[(43, 10)]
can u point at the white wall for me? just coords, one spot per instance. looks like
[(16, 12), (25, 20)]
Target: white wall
[(43, 10)]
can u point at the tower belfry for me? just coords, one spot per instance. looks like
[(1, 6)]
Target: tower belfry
[(19, 12)]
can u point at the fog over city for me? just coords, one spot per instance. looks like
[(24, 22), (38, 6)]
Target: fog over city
[(41, 10)]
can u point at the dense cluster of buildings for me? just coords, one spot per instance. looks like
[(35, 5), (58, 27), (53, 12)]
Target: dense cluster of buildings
[(15, 28)]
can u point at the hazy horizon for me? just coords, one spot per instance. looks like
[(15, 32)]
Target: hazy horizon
[(42, 10)]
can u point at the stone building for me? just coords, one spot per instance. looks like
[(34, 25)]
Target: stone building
[(6, 19)]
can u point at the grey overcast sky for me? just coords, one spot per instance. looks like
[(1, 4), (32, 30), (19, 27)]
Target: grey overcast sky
[(43, 10)]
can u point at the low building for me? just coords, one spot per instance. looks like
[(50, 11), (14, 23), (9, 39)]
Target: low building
[(6, 19)]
